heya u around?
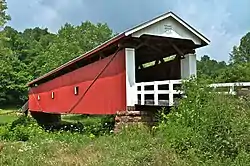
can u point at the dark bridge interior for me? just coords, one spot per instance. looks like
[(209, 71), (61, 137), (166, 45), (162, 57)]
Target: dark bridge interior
[(158, 58)]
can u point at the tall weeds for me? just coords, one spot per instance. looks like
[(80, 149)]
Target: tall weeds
[(208, 124)]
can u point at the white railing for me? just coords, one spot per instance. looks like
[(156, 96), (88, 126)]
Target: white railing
[(231, 86), (156, 92), (171, 91)]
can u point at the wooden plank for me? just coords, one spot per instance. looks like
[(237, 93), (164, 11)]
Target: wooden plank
[(156, 93), (171, 94), (230, 84), (142, 94), (151, 102)]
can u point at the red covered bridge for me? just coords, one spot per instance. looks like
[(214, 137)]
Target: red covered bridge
[(141, 66)]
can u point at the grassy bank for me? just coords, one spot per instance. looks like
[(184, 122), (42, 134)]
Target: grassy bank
[(205, 129), (26, 143), (7, 116), (131, 147)]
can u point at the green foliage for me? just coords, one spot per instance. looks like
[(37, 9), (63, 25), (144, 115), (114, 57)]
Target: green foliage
[(6, 118), (13, 78), (237, 70), (29, 54), (241, 54), (239, 67), (27, 45), (87, 124), (99, 125), (126, 148), (21, 129), (209, 68), (178, 139), (4, 17), (25, 128), (70, 42), (208, 124)]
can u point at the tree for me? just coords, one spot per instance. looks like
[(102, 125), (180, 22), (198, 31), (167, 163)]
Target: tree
[(239, 65), (70, 42), (239, 68), (209, 68), (235, 73), (29, 54), (241, 54), (33, 52), (4, 17), (13, 73), (13, 78), (28, 45)]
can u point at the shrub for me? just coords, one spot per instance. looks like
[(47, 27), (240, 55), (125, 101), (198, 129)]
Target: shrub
[(90, 125), (210, 124), (22, 120), (98, 125), (22, 129), (26, 128)]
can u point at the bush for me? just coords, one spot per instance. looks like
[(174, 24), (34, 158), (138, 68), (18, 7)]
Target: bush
[(26, 128), (100, 125), (22, 129), (89, 124), (209, 124)]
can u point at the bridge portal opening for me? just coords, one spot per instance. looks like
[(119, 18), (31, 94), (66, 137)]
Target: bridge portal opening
[(159, 60)]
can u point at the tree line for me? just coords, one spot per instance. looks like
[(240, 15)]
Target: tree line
[(27, 55), (33, 52), (235, 70)]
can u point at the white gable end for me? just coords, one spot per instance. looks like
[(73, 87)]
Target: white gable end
[(168, 25), (168, 28)]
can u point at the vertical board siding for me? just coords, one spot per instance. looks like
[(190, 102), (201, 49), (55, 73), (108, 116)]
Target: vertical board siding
[(106, 96)]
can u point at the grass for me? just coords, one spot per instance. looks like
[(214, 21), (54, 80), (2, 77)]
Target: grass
[(8, 109), (7, 116), (82, 119), (208, 129), (131, 147)]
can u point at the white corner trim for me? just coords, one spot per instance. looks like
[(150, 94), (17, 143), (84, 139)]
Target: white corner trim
[(131, 95), (188, 66)]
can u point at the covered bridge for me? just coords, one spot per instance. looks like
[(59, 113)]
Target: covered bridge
[(141, 66)]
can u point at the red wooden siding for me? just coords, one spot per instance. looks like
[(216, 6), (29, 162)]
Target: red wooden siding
[(106, 96)]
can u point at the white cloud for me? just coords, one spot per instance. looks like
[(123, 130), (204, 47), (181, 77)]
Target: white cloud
[(215, 20), (223, 22)]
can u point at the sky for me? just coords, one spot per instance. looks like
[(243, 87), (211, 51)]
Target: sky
[(223, 22)]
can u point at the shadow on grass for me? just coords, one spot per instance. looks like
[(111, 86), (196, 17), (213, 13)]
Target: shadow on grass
[(83, 124)]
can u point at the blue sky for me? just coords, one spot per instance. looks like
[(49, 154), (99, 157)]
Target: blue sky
[(224, 22)]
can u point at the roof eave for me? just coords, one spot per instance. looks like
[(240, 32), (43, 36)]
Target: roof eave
[(87, 54), (204, 40)]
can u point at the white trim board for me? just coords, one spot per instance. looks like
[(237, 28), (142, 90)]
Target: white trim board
[(131, 95)]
